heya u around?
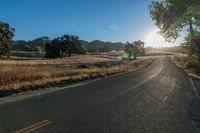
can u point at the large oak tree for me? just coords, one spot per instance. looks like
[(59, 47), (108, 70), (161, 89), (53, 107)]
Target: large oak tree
[(6, 35), (172, 16), (65, 45), (135, 49)]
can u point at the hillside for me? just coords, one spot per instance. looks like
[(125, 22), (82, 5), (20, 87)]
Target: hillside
[(38, 45)]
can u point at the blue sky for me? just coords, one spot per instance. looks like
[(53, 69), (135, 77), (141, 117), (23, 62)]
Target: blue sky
[(107, 20)]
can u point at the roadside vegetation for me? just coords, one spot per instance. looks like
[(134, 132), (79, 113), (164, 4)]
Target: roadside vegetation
[(63, 60), (43, 62), (21, 78), (191, 67), (172, 17)]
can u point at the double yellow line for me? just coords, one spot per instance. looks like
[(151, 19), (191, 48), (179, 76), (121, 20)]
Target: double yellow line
[(34, 127)]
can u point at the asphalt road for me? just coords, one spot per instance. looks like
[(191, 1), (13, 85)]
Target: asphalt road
[(156, 99)]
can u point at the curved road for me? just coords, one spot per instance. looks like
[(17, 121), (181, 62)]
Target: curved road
[(156, 99)]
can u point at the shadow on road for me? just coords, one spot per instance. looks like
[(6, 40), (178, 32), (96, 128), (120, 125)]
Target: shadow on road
[(195, 112)]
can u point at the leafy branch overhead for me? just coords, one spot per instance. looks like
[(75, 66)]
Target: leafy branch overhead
[(171, 16)]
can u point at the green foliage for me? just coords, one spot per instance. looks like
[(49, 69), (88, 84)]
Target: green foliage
[(79, 48), (38, 49), (106, 48), (36, 45), (191, 47), (135, 49), (93, 46), (67, 44), (6, 35), (126, 55), (99, 46), (28, 48), (172, 15)]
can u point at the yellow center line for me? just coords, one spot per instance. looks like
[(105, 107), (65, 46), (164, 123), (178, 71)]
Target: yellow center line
[(34, 127), (38, 127)]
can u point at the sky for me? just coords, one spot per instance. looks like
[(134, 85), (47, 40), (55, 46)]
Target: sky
[(106, 20)]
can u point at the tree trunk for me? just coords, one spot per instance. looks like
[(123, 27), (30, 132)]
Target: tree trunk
[(69, 50), (191, 28), (69, 54), (135, 56)]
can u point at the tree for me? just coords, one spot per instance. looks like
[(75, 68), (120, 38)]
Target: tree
[(135, 49), (67, 44), (41, 41), (171, 16), (6, 35), (38, 49), (79, 49), (72, 45), (35, 45), (106, 48), (28, 48), (54, 49)]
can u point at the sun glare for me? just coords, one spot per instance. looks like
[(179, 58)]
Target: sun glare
[(154, 39)]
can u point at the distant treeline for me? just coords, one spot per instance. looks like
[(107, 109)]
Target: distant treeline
[(67, 45), (38, 45)]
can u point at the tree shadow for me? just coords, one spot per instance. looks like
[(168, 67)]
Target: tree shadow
[(195, 112)]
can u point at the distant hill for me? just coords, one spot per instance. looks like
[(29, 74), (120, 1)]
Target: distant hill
[(97, 46), (38, 45)]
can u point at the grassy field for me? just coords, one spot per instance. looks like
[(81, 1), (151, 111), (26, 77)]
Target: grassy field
[(17, 74), (61, 61)]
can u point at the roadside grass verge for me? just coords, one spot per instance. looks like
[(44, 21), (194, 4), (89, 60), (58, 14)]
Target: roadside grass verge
[(194, 66), (190, 66), (24, 78)]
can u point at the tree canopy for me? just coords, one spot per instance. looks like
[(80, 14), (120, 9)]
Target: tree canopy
[(6, 35), (67, 44), (35, 45), (172, 16), (135, 49)]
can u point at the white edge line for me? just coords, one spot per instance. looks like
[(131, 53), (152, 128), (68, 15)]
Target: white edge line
[(39, 93)]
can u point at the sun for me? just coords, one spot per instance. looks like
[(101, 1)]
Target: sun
[(154, 39)]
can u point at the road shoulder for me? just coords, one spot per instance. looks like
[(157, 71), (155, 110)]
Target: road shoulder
[(194, 79)]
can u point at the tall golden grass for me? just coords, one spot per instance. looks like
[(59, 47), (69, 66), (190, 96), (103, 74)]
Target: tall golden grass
[(60, 61), (15, 76)]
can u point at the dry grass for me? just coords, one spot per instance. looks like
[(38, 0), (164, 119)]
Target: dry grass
[(191, 66), (61, 61), (29, 73)]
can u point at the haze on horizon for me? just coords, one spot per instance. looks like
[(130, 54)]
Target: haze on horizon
[(113, 20)]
